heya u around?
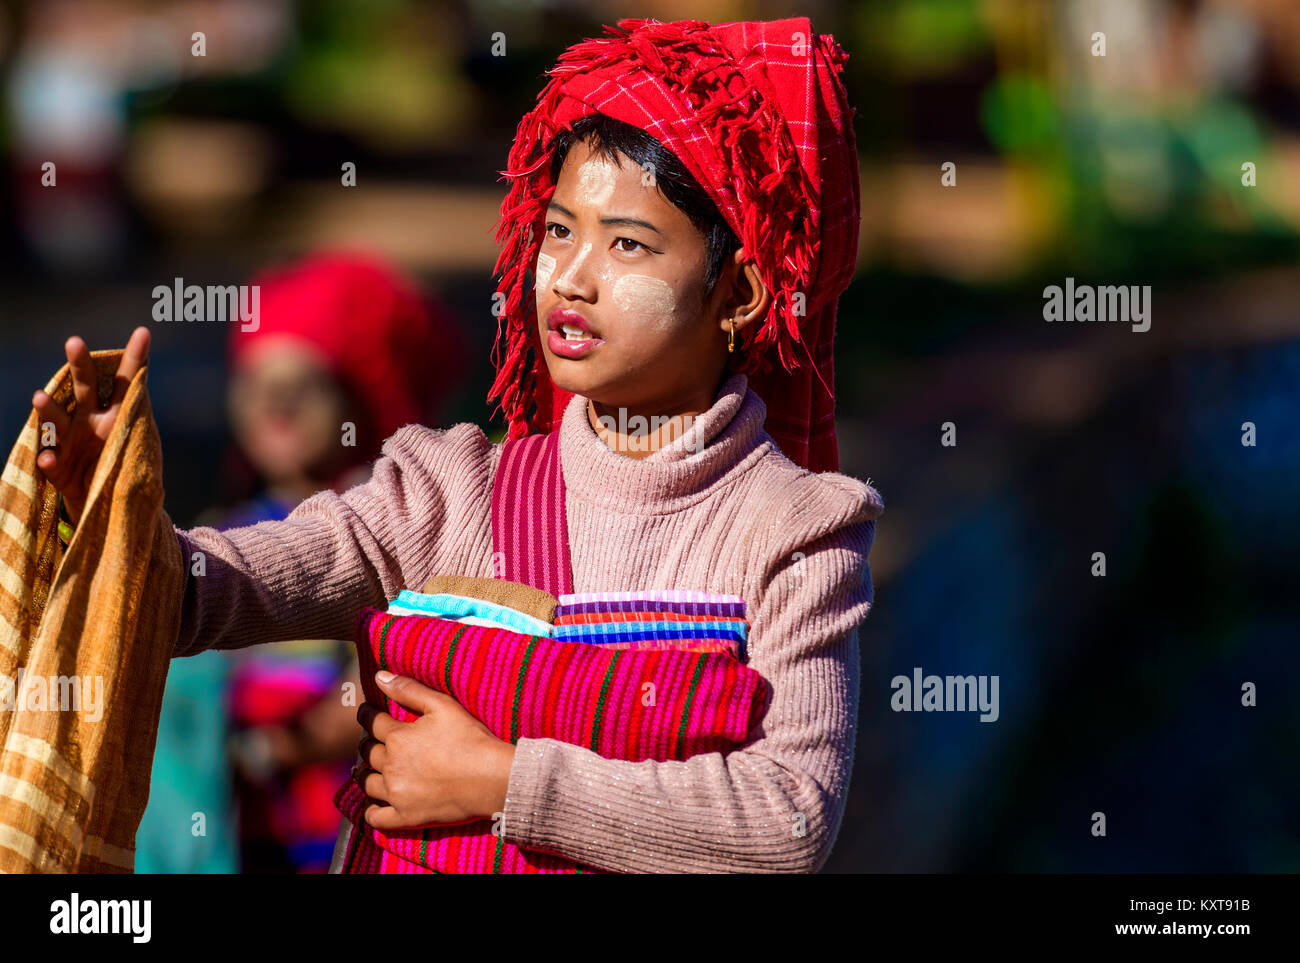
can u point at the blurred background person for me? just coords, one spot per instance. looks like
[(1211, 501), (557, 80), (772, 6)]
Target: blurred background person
[(346, 351)]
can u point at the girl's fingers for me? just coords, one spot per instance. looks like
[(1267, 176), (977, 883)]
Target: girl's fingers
[(50, 459), (375, 787), (376, 721), (47, 461), (135, 357), (382, 817), (47, 409), (374, 753), (85, 383)]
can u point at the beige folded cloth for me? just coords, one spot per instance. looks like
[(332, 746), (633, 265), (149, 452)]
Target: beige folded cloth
[(515, 595), (93, 628)]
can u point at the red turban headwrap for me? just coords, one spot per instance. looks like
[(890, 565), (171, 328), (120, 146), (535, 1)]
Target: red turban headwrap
[(757, 113), (371, 328)]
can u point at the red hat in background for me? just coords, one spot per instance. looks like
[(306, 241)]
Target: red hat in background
[(395, 351), (757, 113)]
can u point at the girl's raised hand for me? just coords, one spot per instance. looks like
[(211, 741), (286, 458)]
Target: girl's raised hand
[(80, 436)]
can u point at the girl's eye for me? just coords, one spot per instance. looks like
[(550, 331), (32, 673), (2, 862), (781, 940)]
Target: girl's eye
[(560, 227), (629, 241)]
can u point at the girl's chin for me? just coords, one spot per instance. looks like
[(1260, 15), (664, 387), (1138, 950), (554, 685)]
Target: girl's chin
[(576, 377)]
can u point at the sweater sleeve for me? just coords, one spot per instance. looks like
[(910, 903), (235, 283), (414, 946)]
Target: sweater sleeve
[(307, 576), (774, 805)]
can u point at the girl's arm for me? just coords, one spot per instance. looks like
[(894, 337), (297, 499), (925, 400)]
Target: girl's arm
[(306, 577), (773, 806)]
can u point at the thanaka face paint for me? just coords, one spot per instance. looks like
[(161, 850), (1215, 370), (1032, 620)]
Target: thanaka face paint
[(648, 300), (545, 268), (579, 259), (597, 179)]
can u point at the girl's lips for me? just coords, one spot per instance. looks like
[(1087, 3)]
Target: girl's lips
[(559, 318), (564, 348)]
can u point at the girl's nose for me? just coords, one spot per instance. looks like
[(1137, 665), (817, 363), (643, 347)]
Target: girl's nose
[(574, 279)]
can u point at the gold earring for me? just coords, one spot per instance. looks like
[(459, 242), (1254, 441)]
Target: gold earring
[(731, 338)]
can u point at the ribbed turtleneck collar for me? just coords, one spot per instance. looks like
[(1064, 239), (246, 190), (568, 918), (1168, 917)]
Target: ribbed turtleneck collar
[(721, 443)]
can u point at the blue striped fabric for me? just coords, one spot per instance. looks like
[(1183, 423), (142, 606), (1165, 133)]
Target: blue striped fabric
[(463, 608), (629, 631), (722, 608)]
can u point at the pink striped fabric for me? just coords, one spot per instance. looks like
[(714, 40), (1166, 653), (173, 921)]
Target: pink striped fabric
[(530, 533), (523, 686)]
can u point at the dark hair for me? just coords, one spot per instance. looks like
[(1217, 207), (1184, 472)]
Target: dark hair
[(674, 181)]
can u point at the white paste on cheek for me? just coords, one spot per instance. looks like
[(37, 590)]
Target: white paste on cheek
[(596, 180), (646, 299), (545, 268)]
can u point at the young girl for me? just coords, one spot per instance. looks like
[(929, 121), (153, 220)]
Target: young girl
[(687, 198)]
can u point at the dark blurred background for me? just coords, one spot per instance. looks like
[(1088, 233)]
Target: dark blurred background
[(1119, 694)]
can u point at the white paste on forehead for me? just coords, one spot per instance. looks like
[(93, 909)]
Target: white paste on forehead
[(596, 179), (545, 268), (646, 299)]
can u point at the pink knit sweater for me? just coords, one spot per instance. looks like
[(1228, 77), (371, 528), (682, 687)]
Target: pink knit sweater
[(735, 516)]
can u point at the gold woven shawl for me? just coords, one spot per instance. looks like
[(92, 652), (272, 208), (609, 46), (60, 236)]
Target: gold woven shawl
[(92, 629)]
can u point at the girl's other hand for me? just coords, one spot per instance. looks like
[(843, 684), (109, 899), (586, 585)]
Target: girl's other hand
[(446, 767), (70, 463)]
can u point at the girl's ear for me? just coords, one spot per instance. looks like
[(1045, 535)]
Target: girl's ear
[(749, 297)]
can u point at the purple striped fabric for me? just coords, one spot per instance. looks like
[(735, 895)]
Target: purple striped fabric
[(635, 632), (652, 595), (530, 533)]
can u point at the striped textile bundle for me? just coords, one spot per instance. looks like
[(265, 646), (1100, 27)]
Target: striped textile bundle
[(656, 704), (688, 620)]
